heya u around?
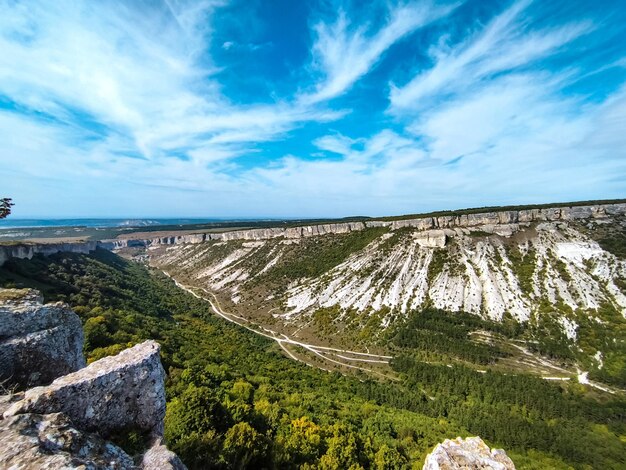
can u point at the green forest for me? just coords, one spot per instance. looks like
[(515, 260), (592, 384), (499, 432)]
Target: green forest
[(234, 401)]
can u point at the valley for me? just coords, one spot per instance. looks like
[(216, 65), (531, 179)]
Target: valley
[(551, 283), (376, 339)]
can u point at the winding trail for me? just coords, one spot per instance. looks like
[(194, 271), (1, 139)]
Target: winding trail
[(340, 357), (345, 357)]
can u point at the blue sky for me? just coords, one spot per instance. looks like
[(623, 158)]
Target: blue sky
[(282, 108)]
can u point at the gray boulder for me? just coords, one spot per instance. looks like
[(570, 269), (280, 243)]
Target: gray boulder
[(159, 457), (116, 392), (51, 442), (38, 342)]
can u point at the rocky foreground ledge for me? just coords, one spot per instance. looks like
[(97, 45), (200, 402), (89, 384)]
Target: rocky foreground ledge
[(65, 424)]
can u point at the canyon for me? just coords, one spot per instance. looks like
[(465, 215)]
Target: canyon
[(542, 267), (539, 267)]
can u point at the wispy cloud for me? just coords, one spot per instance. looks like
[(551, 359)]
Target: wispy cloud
[(142, 74), (504, 45), (344, 52), (111, 109)]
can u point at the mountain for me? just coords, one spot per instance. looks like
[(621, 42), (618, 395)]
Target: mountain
[(559, 273)]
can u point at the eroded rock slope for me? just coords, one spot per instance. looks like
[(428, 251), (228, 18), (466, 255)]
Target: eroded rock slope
[(549, 263)]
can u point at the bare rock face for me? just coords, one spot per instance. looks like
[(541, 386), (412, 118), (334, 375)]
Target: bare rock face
[(431, 238), (64, 425), (28, 250), (159, 457), (38, 342), (467, 454), (51, 442), (108, 395)]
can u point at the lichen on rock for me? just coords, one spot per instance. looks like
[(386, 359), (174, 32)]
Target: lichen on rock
[(110, 394)]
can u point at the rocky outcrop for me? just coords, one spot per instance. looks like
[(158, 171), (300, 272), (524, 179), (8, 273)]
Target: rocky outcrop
[(161, 458), (113, 393), (52, 442), (431, 239), (510, 217), (64, 425), (502, 223), (467, 454), (37, 342), (28, 250)]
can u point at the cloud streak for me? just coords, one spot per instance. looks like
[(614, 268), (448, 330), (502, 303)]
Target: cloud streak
[(343, 52), (501, 47)]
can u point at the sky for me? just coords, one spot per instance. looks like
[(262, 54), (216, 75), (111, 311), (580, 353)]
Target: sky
[(298, 108)]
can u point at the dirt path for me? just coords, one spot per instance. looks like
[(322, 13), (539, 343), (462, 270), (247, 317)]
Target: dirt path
[(344, 357), (336, 356)]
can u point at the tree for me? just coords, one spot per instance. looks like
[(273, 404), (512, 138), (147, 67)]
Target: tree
[(194, 422), (303, 443), (343, 450), (388, 458), (243, 445), (5, 207)]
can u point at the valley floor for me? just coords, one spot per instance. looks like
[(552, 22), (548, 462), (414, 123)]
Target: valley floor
[(329, 358)]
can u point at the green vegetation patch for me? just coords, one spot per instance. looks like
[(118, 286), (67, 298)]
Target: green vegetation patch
[(615, 243), (523, 413), (523, 266), (314, 256), (436, 335)]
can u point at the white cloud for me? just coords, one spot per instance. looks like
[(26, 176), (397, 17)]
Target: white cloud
[(143, 73), (343, 53), (339, 144), (151, 84), (503, 45)]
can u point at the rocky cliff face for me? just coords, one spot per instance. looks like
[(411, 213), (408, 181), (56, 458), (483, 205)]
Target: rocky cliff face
[(65, 424), (467, 454), (37, 342), (474, 270), (28, 250), (552, 277), (489, 221), (501, 222)]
